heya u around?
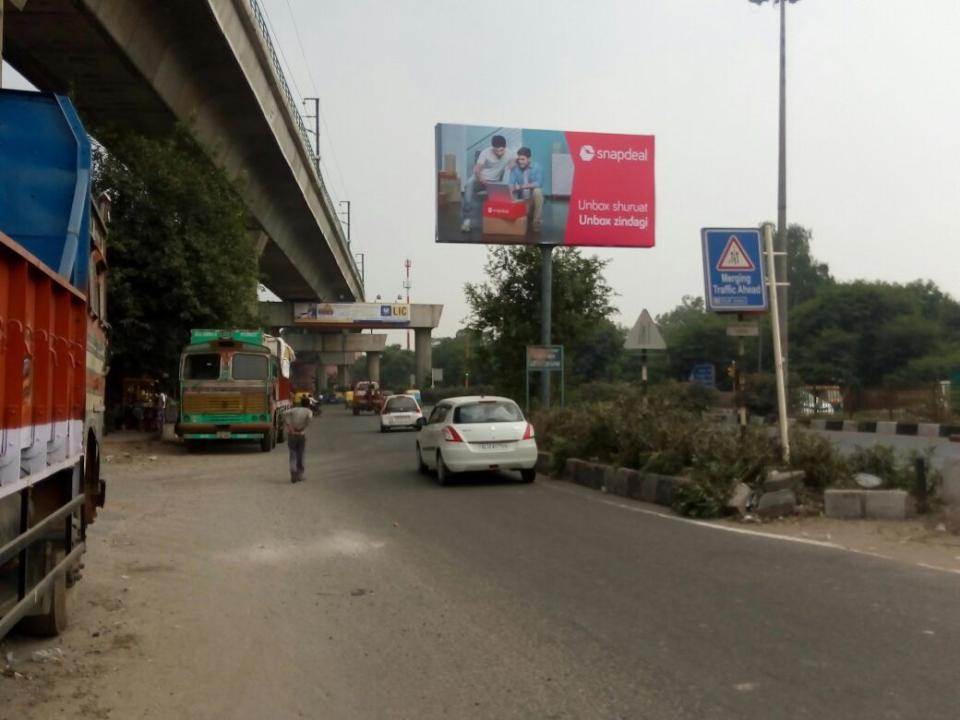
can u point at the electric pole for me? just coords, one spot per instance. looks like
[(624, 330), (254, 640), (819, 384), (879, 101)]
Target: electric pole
[(316, 129), (407, 285)]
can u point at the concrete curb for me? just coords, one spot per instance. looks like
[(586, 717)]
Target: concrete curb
[(885, 427), (868, 504), (648, 487)]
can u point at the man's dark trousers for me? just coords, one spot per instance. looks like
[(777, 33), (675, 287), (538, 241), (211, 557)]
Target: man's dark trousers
[(296, 444)]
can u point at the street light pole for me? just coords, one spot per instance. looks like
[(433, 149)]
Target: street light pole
[(782, 193), (781, 237)]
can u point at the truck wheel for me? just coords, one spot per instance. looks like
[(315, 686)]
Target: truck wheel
[(266, 442), (281, 435), (54, 621)]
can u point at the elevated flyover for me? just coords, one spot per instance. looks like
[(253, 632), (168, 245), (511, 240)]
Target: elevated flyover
[(334, 323), (210, 65)]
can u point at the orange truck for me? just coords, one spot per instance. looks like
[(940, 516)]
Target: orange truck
[(367, 397), (52, 356)]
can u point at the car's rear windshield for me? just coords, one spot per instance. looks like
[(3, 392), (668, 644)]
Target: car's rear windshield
[(401, 404), (205, 366), (486, 411), (249, 367)]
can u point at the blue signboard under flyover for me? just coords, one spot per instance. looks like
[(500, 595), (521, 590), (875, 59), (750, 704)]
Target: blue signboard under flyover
[(733, 270), (704, 374)]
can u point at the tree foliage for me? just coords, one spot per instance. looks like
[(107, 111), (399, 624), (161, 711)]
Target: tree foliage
[(861, 333), (179, 253), (505, 313)]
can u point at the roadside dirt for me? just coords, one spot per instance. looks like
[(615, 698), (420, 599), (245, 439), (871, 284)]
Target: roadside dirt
[(925, 541)]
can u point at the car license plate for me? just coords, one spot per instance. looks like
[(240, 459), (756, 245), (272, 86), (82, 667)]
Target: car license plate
[(223, 434), (493, 446)]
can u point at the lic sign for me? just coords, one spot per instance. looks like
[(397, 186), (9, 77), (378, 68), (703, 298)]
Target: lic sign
[(733, 270)]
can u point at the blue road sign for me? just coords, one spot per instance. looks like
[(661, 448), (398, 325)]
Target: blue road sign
[(704, 374), (733, 270)]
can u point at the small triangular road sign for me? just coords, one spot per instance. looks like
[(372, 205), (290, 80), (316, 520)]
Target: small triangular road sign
[(734, 257), (644, 335)]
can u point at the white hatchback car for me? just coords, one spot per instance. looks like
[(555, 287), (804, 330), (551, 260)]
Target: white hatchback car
[(400, 411), (474, 433)]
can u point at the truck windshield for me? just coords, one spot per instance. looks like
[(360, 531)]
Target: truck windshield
[(249, 367), (202, 367)]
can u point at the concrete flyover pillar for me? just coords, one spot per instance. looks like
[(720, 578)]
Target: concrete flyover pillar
[(373, 366), (343, 376), (424, 354)]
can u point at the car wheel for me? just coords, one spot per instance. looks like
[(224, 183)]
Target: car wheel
[(443, 473), (528, 475), (383, 429), (421, 465)]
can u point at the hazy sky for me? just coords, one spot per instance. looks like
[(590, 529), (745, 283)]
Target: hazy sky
[(873, 117)]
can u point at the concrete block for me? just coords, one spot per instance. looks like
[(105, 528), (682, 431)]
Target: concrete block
[(886, 427), (844, 504), (544, 463), (573, 466), (613, 482), (950, 492), (648, 487), (790, 480), (777, 503), (589, 474), (818, 424), (930, 430), (666, 489), (619, 484), (887, 504), (634, 483), (850, 426)]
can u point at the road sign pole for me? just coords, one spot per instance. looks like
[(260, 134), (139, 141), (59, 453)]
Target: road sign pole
[(526, 375), (546, 301), (741, 384), (777, 348), (643, 371)]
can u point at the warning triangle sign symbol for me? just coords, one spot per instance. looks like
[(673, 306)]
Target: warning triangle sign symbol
[(734, 257)]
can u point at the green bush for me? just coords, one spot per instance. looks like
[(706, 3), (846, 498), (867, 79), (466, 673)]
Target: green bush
[(822, 463)]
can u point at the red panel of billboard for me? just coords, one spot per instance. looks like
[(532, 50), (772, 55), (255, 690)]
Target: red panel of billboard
[(519, 186)]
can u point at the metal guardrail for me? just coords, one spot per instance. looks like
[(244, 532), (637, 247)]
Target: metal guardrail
[(261, 20)]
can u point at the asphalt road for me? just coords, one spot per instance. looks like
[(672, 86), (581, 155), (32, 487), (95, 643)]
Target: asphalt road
[(217, 589)]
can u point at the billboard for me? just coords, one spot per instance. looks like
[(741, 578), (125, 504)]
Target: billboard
[(351, 314), (519, 186)]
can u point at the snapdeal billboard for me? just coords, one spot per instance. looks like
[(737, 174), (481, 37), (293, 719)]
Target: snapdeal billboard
[(514, 185)]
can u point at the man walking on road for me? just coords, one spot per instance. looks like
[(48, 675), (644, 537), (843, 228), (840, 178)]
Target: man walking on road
[(296, 420)]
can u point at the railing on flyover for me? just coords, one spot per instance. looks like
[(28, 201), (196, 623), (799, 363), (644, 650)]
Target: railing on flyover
[(264, 29)]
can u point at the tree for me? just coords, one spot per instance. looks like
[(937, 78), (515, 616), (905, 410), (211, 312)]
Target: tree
[(808, 276), (179, 253), (693, 335), (463, 353), (505, 310)]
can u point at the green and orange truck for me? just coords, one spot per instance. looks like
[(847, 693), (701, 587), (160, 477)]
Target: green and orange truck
[(234, 385)]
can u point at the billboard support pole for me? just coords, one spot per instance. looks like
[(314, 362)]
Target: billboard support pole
[(777, 348), (546, 302)]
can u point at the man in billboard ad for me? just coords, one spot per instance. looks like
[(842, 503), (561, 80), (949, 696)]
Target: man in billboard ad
[(516, 185), (526, 182), (492, 167)]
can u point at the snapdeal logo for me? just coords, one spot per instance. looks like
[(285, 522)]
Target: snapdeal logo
[(587, 153)]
